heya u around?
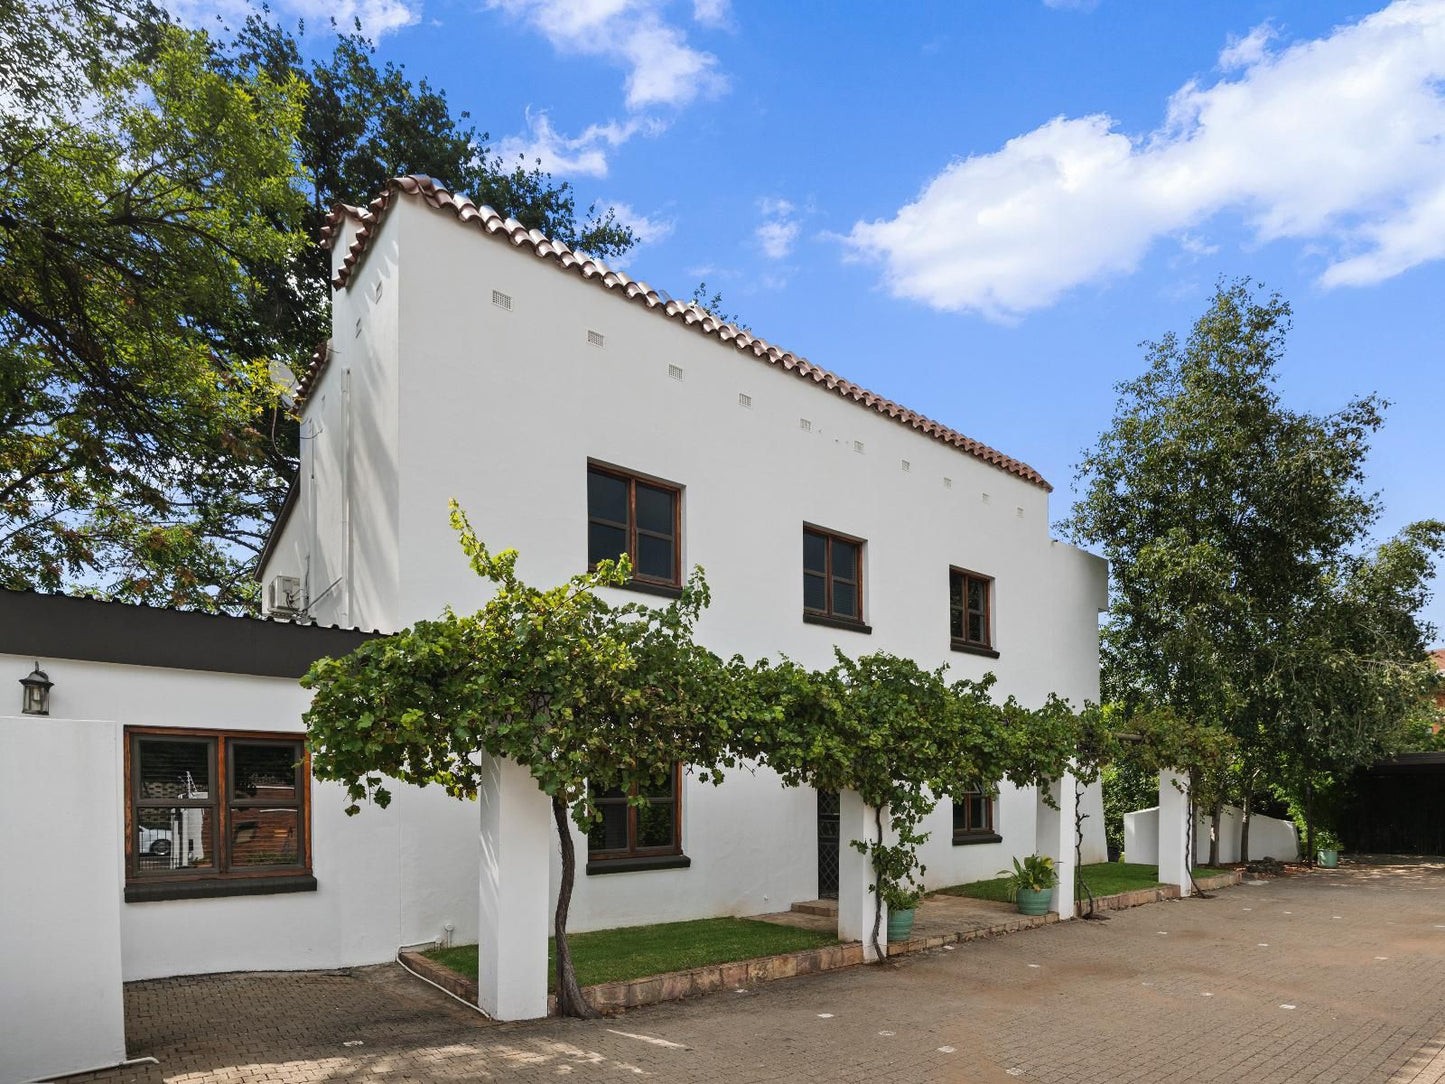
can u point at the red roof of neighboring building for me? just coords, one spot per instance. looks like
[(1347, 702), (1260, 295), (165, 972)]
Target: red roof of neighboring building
[(689, 314)]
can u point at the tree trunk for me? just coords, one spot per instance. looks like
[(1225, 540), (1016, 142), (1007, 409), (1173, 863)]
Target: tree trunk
[(1246, 812), (877, 893), (570, 1001), (1214, 834)]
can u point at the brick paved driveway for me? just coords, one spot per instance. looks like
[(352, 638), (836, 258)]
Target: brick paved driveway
[(1333, 976)]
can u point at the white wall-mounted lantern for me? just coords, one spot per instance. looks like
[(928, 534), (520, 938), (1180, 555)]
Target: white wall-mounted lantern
[(36, 698)]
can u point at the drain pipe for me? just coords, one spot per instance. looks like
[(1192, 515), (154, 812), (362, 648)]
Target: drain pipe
[(147, 1060), (459, 1000)]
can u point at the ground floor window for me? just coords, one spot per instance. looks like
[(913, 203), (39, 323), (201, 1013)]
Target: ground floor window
[(636, 835), (212, 806), (973, 817)]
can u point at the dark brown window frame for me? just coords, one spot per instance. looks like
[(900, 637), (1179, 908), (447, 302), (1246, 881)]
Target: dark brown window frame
[(634, 857), (828, 616), (671, 586), (218, 879), (975, 647), (976, 833)]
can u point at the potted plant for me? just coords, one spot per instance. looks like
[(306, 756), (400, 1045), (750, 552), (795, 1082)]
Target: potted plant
[(901, 902), (1031, 883), (1327, 846)]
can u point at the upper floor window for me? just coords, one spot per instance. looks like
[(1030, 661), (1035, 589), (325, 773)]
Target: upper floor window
[(832, 576), (208, 811), (636, 516), (969, 623)]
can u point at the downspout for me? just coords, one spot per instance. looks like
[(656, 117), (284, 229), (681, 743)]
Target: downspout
[(346, 618)]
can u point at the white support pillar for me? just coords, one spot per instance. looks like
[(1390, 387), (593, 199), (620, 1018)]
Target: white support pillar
[(516, 842), (1054, 837), (1174, 829), (856, 900)]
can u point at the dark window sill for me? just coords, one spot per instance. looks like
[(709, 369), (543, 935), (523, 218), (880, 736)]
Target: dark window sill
[(973, 649), (810, 618), (970, 838), (644, 587), (205, 888), (637, 864)]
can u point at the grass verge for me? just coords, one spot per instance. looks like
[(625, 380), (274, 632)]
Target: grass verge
[(635, 952), (1103, 879)]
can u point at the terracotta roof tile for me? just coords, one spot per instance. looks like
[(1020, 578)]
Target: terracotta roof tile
[(594, 270)]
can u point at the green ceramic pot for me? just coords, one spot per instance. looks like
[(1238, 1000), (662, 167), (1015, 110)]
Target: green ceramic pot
[(1329, 857), (1034, 901), (900, 925)]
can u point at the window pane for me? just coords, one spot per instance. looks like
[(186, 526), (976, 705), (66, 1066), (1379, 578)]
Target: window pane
[(977, 816), (654, 509), (955, 624), (815, 552), (654, 557), (174, 840), (265, 837), (174, 769), (845, 560), (606, 497), (976, 594), (955, 589), (661, 790), (845, 599), (815, 592), (263, 771), (960, 815), (611, 834), (605, 543), (654, 824), (975, 628)]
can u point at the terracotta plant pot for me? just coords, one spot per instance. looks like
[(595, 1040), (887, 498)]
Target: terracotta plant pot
[(1034, 901), (900, 925)]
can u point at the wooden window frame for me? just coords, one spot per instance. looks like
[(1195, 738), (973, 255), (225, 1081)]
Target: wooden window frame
[(671, 585), (218, 878), (977, 647), (829, 616), (634, 857), (976, 833)]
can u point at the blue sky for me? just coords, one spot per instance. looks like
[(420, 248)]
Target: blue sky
[(980, 208)]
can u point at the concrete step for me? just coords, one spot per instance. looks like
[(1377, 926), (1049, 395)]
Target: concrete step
[(822, 908)]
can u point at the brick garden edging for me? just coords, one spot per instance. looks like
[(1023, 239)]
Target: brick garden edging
[(672, 986), (1011, 925), (1123, 900)]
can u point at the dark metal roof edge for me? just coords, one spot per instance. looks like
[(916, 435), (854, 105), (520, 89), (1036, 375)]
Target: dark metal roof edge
[(43, 626)]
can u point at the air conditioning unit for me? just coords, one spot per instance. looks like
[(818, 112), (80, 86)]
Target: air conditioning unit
[(283, 596)]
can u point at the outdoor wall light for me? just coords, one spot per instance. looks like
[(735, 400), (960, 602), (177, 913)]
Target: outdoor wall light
[(37, 692)]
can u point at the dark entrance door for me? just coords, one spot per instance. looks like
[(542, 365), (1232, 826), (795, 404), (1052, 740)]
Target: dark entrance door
[(828, 840)]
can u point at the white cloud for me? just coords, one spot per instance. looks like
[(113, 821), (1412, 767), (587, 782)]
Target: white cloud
[(645, 228), (584, 155), (779, 229), (1071, 5), (712, 13), (1338, 142), (662, 68), (377, 17)]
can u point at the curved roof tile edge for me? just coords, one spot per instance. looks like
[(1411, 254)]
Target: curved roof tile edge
[(595, 270)]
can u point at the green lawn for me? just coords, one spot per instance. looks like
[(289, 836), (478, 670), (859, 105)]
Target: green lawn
[(1103, 879), (635, 952)]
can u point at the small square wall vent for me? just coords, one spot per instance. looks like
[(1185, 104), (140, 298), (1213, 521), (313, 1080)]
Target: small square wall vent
[(745, 400), (948, 483), (805, 425), (675, 372), (985, 498), (858, 446), (501, 300), (596, 338), (1019, 512), (904, 465)]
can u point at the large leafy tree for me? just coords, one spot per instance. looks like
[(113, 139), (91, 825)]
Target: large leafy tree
[(1234, 526), (160, 190), (590, 697)]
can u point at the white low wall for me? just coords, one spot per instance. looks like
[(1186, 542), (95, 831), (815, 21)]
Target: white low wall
[(1269, 837), (60, 960)]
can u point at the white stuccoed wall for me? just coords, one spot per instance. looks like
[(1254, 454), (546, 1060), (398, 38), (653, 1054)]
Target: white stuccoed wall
[(385, 878), (1269, 837), (60, 956)]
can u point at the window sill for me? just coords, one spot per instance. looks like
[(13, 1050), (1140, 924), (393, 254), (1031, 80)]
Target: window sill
[(208, 887), (638, 864), (644, 587), (976, 837), (846, 623), (973, 649)]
